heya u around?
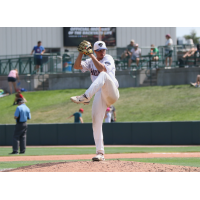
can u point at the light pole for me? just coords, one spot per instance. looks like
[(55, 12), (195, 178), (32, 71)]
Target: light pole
[(99, 33)]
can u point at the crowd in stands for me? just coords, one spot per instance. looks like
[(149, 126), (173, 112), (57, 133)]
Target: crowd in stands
[(133, 52)]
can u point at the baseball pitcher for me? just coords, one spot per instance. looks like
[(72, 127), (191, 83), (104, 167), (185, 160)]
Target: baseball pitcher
[(104, 86)]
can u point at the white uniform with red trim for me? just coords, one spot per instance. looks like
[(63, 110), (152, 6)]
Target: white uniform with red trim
[(105, 87)]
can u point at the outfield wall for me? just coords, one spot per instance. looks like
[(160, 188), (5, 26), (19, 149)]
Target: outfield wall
[(177, 76), (133, 133)]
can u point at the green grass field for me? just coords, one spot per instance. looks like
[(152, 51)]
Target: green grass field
[(169, 103), (16, 164), (39, 151)]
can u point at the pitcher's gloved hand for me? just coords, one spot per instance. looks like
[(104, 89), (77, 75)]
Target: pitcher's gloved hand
[(85, 47)]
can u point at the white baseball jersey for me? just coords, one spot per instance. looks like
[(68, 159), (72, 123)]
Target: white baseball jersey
[(108, 117), (109, 64)]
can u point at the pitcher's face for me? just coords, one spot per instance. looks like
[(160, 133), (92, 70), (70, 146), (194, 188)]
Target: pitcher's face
[(100, 54)]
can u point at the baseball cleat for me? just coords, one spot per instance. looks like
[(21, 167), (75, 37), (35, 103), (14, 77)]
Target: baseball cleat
[(80, 99), (193, 84), (14, 152), (98, 157)]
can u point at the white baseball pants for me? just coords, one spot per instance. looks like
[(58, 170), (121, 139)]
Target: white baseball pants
[(106, 94)]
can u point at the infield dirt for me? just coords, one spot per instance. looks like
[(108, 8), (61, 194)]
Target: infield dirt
[(107, 156), (105, 166)]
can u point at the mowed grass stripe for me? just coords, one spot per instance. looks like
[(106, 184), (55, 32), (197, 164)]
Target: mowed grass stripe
[(92, 150), (16, 164)]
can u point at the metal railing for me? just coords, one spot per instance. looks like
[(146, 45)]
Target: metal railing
[(57, 63), (51, 63)]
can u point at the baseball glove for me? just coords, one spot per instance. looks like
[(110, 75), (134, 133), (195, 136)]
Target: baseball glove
[(85, 47)]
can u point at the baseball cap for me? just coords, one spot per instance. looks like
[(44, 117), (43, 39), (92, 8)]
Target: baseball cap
[(132, 41), (99, 45), (20, 100), (168, 35), (81, 110), (108, 109), (136, 45)]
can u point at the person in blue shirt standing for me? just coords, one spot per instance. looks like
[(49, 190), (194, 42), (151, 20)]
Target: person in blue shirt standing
[(77, 116), (22, 114), (38, 58)]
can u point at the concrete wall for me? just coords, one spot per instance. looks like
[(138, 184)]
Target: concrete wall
[(68, 81), (83, 80), (144, 36), (126, 79), (177, 76), (141, 133), (35, 81), (20, 40)]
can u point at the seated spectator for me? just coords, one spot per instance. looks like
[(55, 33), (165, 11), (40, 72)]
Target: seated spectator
[(135, 55), (197, 83), (190, 52), (154, 51), (19, 96), (107, 115), (127, 52), (77, 116)]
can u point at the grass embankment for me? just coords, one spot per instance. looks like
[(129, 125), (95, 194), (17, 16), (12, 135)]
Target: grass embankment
[(169, 103)]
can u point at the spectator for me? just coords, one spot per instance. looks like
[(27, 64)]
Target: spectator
[(154, 51), (113, 114), (198, 46), (12, 77), (127, 52), (78, 116), (107, 115), (135, 55), (168, 50), (198, 49), (22, 114), (191, 52), (19, 96), (197, 83), (38, 58)]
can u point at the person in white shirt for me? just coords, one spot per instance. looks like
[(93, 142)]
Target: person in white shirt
[(104, 86), (168, 49), (135, 55), (108, 115)]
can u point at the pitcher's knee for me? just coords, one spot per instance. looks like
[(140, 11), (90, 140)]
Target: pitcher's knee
[(103, 73)]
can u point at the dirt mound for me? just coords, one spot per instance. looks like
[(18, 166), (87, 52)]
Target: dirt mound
[(105, 166)]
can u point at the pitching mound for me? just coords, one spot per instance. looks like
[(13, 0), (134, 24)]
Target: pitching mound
[(105, 166)]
